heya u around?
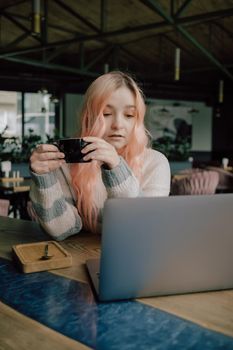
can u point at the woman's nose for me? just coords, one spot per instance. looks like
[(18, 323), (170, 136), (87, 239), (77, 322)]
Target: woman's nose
[(117, 122)]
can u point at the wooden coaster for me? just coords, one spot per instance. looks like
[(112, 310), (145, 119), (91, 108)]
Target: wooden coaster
[(42, 256)]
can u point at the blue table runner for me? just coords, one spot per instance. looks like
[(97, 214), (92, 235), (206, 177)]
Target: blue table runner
[(69, 307)]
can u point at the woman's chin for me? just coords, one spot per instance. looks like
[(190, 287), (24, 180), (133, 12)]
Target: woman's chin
[(118, 144)]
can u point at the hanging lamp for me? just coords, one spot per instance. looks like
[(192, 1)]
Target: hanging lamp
[(36, 17), (177, 64), (221, 91)]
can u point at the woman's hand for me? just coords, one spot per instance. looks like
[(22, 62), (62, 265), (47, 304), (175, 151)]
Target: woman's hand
[(46, 158), (101, 151)]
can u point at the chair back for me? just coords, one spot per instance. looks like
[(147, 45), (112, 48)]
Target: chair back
[(30, 211), (4, 207), (225, 178), (197, 182)]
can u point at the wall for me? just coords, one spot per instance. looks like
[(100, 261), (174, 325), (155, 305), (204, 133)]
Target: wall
[(202, 128), (72, 106)]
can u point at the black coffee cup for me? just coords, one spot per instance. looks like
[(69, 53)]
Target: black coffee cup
[(72, 149)]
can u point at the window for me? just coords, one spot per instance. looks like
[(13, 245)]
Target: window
[(39, 114), (10, 107)]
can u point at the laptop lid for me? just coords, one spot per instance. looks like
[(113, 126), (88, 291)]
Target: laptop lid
[(166, 245)]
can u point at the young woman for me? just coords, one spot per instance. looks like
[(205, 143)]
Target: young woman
[(67, 198)]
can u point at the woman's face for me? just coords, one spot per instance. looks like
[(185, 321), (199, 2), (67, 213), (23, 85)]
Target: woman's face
[(120, 117)]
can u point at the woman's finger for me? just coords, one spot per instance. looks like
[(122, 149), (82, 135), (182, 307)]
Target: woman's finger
[(51, 156), (91, 138), (97, 144), (46, 148)]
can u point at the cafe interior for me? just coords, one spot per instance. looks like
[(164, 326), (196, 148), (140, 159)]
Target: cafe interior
[(180, 53)]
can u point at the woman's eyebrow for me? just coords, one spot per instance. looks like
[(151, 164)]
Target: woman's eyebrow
[(130, 106), (125, 107)]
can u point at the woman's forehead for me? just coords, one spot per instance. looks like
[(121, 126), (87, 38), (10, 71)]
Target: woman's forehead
[(123, 96)]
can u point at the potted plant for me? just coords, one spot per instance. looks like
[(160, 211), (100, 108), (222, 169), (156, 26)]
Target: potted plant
[(18, 152)]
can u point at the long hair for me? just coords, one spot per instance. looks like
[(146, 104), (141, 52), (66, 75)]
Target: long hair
[(86, 178)]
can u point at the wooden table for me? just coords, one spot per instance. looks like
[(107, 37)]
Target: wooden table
[(58, 310), (18, 194), (15, 186)]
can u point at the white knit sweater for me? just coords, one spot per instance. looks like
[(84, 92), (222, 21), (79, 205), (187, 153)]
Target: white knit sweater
[(53, 198)]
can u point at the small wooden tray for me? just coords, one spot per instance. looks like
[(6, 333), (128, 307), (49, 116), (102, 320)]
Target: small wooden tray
[(29, 256)]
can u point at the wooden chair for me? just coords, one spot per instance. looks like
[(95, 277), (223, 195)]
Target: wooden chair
[(4, 207)]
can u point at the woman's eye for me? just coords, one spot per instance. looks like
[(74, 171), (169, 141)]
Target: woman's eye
[(106, 114), (129, 115)]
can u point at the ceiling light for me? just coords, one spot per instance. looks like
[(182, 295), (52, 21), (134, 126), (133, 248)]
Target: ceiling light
[(36, 17), (177, 64), (220, 91)]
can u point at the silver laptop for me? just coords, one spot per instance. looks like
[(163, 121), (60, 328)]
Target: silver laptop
[(165, 245)]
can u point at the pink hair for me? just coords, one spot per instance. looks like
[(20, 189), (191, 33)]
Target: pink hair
[(85, 178)]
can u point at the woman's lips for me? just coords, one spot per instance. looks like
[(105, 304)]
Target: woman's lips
[(115, 136)]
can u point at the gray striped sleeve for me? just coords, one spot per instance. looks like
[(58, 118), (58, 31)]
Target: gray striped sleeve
[(116, 176), (72, 231), (44, 181), (48, 214)]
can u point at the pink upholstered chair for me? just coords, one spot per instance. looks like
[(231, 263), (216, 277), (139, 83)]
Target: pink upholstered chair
[(4, 207), (225, 183), (196, 182), (30, 211)]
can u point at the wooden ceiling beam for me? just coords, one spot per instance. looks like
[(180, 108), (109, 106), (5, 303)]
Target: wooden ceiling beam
[(22, 52), (101, 36), (44, 23), (51, 26), (12, 5), (19, 25), (131, 55), (16, 41), (157, 25), (177, 44), (50, 66), (182, 8), (224, 29), (103, 53), (186, 71), (103, 15), (189, 37), (82, 55), (82, 38), (56, 52), (76, 15), (172, 8)]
